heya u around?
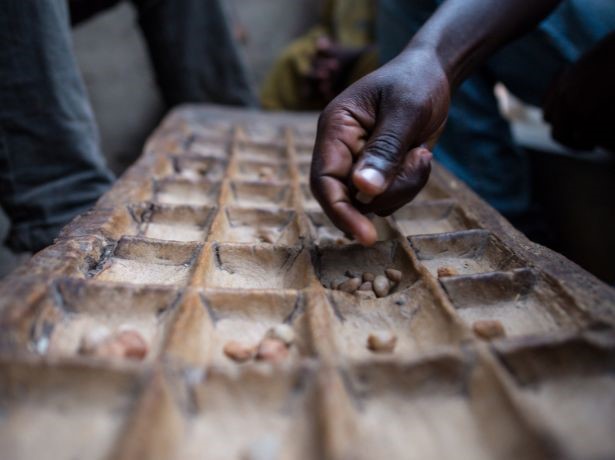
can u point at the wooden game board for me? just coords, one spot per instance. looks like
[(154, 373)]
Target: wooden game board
[(213, 235)]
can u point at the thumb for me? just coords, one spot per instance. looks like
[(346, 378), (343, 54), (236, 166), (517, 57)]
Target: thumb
[(383, 155)]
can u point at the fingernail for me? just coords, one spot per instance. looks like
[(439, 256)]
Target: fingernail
[(364, 198), (373, 177)]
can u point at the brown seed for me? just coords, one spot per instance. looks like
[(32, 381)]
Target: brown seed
[(265, 237), (381, 341), (350, 285), (488, 329), (366, 294), (366, 286), (238, 352), (265, 173), (368, 276), (133, 343), (393, 275), (445, 271), (272, 350), (382, 286), (110, 348)]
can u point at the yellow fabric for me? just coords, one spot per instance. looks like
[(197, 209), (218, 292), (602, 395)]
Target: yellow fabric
[(347, 22)]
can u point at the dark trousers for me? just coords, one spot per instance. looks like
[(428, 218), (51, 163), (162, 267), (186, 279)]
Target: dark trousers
[(51, 166)]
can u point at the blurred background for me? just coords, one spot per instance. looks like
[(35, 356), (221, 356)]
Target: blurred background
[(573, 192)]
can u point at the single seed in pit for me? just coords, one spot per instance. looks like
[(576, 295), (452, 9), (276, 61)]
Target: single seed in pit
[(271, 350), (133, 343), (350, 285), (283, 332), (393, 275), (368, 276), (238, 352), (92, 340), (366, 286), (382, 341), (445, 271), (488, 329), (127, 343), (382, 286), (366, 294)]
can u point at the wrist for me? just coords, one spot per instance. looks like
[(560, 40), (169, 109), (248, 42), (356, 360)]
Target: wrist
[(425, 54)]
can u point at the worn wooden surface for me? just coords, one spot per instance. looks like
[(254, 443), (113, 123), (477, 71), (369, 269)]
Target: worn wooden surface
[(213, 236)]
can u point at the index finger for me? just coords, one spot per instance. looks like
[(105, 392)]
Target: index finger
[(339, 139)]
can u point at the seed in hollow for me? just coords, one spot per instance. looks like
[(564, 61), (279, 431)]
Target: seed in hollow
[(133, 343), (283, 332), (445, 271), (238, 352), (367, 286), (92, 339), (272, 350), (488, 329), (366, 294), (393, 275), (350, 285), (382, 286), (368, 276), (382, 341)]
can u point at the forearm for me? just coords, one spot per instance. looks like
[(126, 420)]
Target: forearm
[(463, 33)]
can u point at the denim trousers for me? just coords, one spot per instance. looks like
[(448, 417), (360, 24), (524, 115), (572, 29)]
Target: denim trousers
[(477, 144), (51, 166)]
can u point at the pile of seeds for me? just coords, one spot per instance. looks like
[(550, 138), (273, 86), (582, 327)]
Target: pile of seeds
[(369, 283), (126, 343), (273, 348)]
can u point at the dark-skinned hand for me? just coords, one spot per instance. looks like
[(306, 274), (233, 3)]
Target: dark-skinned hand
[(372, 147)]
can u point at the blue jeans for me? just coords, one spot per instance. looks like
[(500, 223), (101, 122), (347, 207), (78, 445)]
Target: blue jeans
[(51, 166), (477, 144)]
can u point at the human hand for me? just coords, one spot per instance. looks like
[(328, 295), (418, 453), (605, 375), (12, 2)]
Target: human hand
[(372, 147)]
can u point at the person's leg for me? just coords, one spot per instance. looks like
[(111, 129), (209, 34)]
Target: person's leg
[(51, 168), (193, 52)]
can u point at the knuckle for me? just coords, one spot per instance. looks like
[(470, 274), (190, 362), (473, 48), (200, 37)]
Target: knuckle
[(386, 148)]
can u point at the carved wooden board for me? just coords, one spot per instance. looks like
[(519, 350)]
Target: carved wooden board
[(213, 236)]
